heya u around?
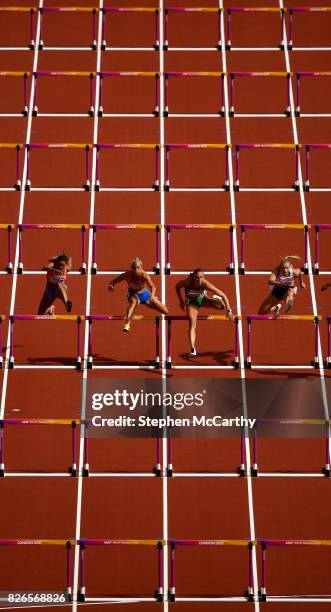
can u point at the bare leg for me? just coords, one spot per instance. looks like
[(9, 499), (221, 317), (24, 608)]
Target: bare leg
[(268, 304), (63, 295), (155, 304), (45, 304), (213, 303), (289, 299), (192, 314), (133, 303)]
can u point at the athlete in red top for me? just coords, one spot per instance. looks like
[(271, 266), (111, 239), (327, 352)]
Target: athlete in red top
[(56, 269), (141, 290)]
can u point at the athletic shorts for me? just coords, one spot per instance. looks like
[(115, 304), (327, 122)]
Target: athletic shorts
[(197, 302), (279, 292), (143, 296)]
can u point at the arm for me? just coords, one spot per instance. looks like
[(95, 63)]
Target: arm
[(69, 264), (298, 274), (274, 282), (179, 286), (116, 280), (326, 286), (150, 284)]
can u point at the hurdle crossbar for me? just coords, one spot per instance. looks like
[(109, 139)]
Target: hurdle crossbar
[(271, 317), (92, 318), (273, 226), (234, 75), (24, 9), (172, 147), (255, 9), (18, 148), (86, 543), (198, 226), (249, 544), (155, 147), (59, 145), (13, 318), (51, 226), (302, 9), (70, 9), (309, 148), (295, 147), (280, 543), (126, 73), (218, 75), (126, 226), (64, 73), (171, 318), (131, 9), (292, 422), (66, 422), (299, 77), (26, 75), (191, 9)]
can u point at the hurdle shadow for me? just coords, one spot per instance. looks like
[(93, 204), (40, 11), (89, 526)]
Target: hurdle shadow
[(221, 358), (110, 361), (65, 361)]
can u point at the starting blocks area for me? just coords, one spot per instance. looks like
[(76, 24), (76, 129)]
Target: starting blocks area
[(190, 137)]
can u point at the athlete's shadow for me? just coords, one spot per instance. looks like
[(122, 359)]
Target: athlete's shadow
[(65, 361), (221, 358), (99, 360)]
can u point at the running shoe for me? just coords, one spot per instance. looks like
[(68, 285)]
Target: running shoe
[(193, 352), (68, 306), (51, 311), (277, 309), (218, 299), (126, 327)]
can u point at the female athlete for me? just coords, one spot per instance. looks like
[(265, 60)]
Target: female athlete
[(56, 269), (282, 280)]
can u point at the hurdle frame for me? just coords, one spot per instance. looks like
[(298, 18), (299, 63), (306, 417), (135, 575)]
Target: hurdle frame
[(84, 543), (248, 595), (127, 226), (63, 73), (308, 148), (169, 147), (18, 148), (296, 148), (67, 545), (279, 543), (231, 10), (325, 470), (50, 226), (9, 227), (156, 147), (169, 227), (301, 9), (32, 12), (299, 76), (271, 317), (126, 73), (26, 75), (328, 357), (191, 9), (69, 9), (131, 9), (77, 318), (168, 75), (72, 470), (155, 318), (318, 227), (240, 74), (171, 318), (273, 226), (87, 147)]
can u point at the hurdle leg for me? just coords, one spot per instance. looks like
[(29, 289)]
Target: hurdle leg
[(328, 358), (78, 358), (231, 264), (298, 104), (168, 265), (18, 168), (249, 344), (168, 365), (236, 340), (28, 169), (290, 42), (296, 180), (156, 112), (83, 266), (166, 96), (41, 37), (87, 183), (263, 592), (229, 30), (156, 184), (306, 239), (91, 111), (254, 466), (170, 449), (100, 110), (219, 42), (1, 357), (97, 168), (25, 96), (157, 343), (103, 31), (250, 590), (11, 351), (159, 592), (227, 163), (94, 30), (2, 463), (68, 570), (307, 181), (166, 27), (236, 184), (222, 96), (10, 263), (167, 168), (288, 95), (32, 30), (242, 453), (82, 588), (316, 330), (157, 266), (89, 356), (231, 112), (157, 468), (86, 466), (35, 96), (316, 264), (172, 589), (157, 30), (242, 252), (20, 250), (282, 30), (94, 252), (73, 467), (326, 469)]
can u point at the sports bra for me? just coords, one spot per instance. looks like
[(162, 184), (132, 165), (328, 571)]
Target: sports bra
[(53, 276)]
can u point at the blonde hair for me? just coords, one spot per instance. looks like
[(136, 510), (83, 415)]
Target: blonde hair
[(288, 258), (136, 261)]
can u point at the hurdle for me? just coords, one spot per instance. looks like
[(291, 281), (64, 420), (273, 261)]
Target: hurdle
[(280, 543), (299, 77), (49, 226), (66, 544), (240, 470), (122, 73), (122, 226), (292, 422), (69, 9), (131, 9), (93, 318), (26, 76), (156, 147), (174, 544), (171, 318), (173, 147), (250, 318), (218, 75), (4, 423), (254, 9), (309, 148), (13, 318), (86, 147), (84, 544), (18, 148), (24, 9), (295, 147), (318, 227), (198, 226), (190, 9), (86, 462), (286, 75), (273, 226), (51, 73), (302, 9)]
